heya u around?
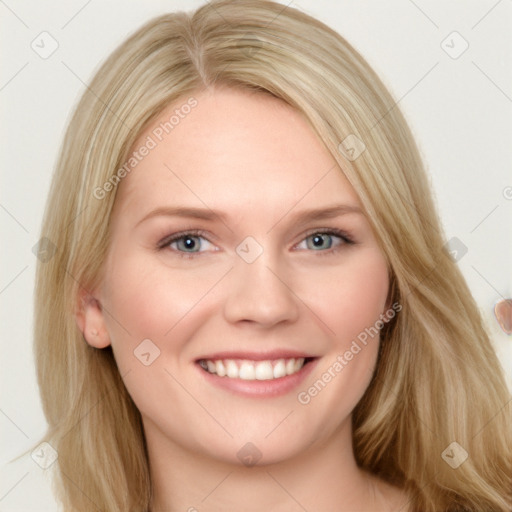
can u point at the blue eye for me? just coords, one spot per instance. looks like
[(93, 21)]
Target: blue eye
[(320, 241), (186, 243)]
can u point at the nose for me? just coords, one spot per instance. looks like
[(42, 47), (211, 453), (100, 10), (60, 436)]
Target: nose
[(258, 293)]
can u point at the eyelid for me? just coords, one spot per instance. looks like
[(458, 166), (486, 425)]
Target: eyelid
[(164, 242)]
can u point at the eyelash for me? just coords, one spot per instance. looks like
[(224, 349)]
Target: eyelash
[(165, 242)]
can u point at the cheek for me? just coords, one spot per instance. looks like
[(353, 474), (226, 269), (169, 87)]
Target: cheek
[(149, 311), (351, 297), (146, 300), (351, 306)]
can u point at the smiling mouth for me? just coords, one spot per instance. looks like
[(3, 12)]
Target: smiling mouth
[(245, 369)]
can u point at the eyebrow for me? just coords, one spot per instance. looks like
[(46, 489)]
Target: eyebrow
[(208, 214)]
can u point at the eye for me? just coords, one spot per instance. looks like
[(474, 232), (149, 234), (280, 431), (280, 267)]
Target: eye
[(186, 243), (324, 240)]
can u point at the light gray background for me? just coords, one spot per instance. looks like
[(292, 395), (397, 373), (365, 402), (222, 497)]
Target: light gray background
[(459, 110)]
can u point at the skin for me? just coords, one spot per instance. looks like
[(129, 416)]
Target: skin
[(257, 161)]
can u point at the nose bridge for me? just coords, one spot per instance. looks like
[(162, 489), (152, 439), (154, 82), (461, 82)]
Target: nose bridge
[(256, 291)]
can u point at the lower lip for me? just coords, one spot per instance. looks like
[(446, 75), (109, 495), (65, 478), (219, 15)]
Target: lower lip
[(260, 388)]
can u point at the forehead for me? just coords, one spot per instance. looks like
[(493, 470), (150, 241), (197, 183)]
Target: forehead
[(232, 147)]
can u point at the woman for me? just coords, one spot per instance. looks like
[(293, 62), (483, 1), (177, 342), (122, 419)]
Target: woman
[(250, 306)]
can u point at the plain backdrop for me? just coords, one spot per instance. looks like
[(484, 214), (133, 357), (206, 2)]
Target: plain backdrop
[(457, 100)]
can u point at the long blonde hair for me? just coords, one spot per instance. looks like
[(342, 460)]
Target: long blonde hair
[(437, 381)]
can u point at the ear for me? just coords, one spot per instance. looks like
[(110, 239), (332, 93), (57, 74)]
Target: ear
[(90, 320)]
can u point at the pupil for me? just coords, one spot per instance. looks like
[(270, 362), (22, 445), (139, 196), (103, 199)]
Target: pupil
[(189, 243), (318, 240)]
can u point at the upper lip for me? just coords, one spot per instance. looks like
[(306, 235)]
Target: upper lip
[(257, 356)]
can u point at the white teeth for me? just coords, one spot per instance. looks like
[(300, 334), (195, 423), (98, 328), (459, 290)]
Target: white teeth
[(279, 369), (253, 370), (264, 370), (231, 369), (220, 370), (247, 371)]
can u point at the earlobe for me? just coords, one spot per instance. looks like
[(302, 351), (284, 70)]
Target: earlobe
[(90, 320)]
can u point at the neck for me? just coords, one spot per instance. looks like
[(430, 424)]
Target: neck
[(323, 477)]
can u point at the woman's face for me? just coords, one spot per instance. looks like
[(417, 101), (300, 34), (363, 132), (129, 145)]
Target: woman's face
[(238, 246)]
